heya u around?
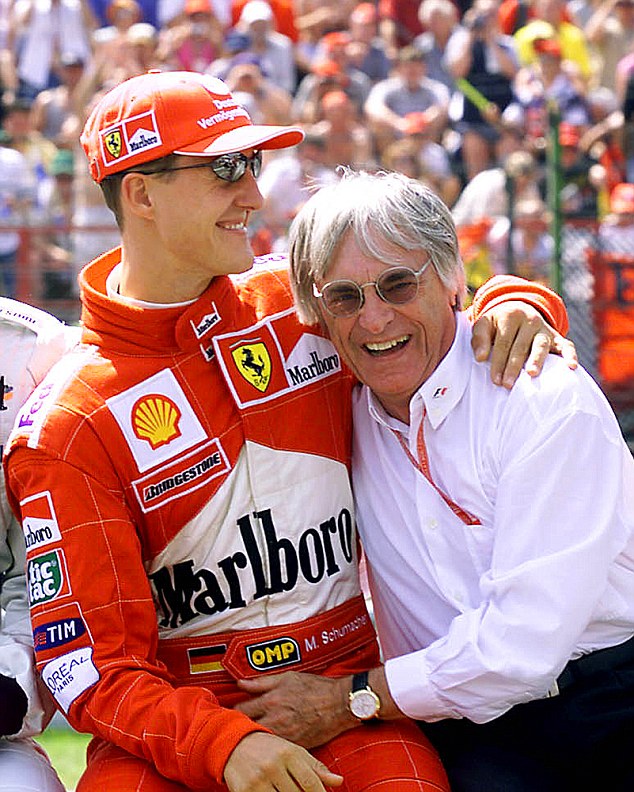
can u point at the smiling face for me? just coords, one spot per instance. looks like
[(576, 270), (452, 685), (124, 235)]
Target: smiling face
[(391, 348), (197, 230)]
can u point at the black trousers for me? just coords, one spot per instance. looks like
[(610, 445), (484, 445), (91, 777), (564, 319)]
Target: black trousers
[(581, 740)]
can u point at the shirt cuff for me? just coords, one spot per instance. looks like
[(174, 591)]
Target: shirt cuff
[(411, 688)]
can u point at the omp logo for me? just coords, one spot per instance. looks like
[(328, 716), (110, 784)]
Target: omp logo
[(273, 654), (155, 419), (254, 363), (45, 574), (113, 143)]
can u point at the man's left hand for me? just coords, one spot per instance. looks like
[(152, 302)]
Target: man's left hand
[(304, 708), (513, 334)]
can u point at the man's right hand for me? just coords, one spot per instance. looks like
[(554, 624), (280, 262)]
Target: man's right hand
[(262, 762)]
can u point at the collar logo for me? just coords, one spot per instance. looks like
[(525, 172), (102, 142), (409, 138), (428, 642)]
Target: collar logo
[(155, 418), (254, 363), (113, 143)]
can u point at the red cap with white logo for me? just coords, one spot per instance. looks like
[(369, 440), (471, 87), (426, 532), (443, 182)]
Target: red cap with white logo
[(160, 113)]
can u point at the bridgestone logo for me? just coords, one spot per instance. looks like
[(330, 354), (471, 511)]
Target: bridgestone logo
[(179, 479)]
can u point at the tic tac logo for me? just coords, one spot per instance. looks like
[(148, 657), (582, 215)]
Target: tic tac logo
[(155, 418), (273, 654), (46, 577), (254, 363)]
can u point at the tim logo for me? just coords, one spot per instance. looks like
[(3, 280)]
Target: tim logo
[(273, 654), (439, 392), (155, 418), (254, 363)]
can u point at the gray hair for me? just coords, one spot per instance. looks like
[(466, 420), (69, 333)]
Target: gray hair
[(384, 211)]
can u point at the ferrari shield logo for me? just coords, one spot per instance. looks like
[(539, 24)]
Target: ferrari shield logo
[(113, 143), (254, 363)]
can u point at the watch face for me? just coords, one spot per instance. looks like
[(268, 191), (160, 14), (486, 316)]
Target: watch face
[(364, 704)]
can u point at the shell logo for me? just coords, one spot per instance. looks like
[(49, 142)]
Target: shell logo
[(155, 418)]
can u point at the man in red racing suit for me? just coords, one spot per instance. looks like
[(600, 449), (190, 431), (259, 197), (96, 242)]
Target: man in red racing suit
[(182, 480)]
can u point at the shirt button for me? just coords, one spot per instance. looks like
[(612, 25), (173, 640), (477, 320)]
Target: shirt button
[(432, 524)]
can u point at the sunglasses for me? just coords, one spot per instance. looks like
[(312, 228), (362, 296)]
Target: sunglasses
[(396, 285), (228, 167)]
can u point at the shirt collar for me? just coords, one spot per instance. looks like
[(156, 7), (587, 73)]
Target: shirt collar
[(441, 392)]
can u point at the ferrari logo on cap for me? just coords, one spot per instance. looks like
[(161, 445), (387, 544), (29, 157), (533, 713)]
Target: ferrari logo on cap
[(155, 418), (113, 143), (254, 363)]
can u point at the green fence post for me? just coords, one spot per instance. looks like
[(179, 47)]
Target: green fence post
[(553, 185)]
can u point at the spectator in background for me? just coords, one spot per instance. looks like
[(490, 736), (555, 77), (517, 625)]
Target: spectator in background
[(399, 23), (549, 81), (610, 32), (275, 50), (53, 247), (435, 166), (366, 49), (196, 42), (267, 102), (17, 132), (40, 30), (409, 90), (284, 12), (347, 140), (52, 106), (111, 47), (16, 204), (550, 22), (487, 194), (286, 184), (616, 231), (331, 71), (582, 175), (486, 58), (523, 246), (440, 19)]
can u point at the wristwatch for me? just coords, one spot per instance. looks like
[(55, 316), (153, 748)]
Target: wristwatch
[(363, 702)]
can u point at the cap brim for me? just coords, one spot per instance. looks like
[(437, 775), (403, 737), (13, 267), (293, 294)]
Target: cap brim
[(245, 137)]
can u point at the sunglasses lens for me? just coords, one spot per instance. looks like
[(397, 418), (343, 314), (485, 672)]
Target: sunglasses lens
[(232, 167), (342, 298), (398, 285), (256, 164)]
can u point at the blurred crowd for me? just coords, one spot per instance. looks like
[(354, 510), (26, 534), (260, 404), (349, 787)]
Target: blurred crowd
[(457, 94)]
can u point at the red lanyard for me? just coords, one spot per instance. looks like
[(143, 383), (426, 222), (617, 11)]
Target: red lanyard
[(422, 465)]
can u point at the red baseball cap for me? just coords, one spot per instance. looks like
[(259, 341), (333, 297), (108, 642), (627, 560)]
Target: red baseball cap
[(159, 113), (622, 199), (547, 46)]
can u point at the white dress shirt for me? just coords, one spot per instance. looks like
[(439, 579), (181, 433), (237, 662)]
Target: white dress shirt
[(476, 618)]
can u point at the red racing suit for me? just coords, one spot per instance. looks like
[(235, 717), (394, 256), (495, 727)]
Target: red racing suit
[(182, 482)]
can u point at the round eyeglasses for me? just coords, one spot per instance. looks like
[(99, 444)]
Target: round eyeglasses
[(228, 167), (396, 285)]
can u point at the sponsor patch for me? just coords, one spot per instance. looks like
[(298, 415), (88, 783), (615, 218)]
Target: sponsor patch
[(68, 676), (188, 474), (206, 659), (254, 363), (57, 633), (157, 420), (206, 322), (126, 139), (47, 577), (256, 369), (39, 521), (273, 654)]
